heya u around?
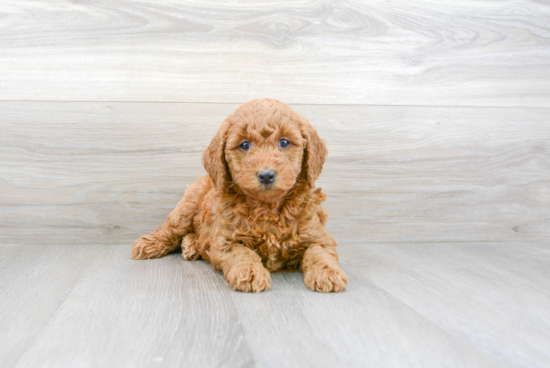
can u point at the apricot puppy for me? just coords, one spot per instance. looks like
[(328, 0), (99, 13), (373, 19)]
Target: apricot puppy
[(257, 210)]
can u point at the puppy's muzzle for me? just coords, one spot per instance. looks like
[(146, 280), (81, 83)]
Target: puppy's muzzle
[(267, 176)]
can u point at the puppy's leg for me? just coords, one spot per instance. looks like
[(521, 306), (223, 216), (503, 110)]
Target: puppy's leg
[(321, 270), (189, 249), (164, 240), (167, 237), (242, 268)]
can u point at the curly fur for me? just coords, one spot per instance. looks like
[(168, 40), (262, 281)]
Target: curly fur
[(246, 229)]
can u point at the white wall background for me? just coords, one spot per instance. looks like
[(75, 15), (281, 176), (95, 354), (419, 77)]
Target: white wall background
[(436, 114)]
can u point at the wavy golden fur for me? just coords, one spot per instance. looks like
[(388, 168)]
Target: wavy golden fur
[(246, 225)]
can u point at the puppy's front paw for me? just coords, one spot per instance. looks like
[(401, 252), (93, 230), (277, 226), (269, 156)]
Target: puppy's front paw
[(325, 279), (250, 277), (147, 248)]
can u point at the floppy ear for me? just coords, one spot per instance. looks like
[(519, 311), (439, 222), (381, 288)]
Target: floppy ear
[(213, 157), (315, 153)]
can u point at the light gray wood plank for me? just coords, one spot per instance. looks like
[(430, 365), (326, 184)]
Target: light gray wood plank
[(73, 172), (420, 305), (362, 327), (128, 313), (493, 296), (35, 280), (482, 53)]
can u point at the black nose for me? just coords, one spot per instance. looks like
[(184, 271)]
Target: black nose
[(267, 176)]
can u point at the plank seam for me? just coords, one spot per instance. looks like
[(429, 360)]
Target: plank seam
[(287, 102)]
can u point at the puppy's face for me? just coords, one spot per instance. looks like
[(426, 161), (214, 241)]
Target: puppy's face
[(264, 156), (264, 148)]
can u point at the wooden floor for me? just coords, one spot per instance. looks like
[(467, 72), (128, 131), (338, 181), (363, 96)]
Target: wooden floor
[(427, 305)]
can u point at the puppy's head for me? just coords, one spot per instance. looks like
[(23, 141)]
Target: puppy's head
[(265, 149)]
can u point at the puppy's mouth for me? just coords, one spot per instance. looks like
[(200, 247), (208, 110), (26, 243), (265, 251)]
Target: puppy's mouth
[(267, 187)]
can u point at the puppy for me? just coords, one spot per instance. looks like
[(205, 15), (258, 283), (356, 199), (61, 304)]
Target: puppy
[(256, 211)]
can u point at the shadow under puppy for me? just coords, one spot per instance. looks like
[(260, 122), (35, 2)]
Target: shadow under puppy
[(257, 210)]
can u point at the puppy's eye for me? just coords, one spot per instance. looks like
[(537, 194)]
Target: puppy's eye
[(283, 143), (245, 146)]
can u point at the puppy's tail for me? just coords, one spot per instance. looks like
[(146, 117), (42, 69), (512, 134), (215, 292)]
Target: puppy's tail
[(167, 237)]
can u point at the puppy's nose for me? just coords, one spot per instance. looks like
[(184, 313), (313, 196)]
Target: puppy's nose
[(267, 176)]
